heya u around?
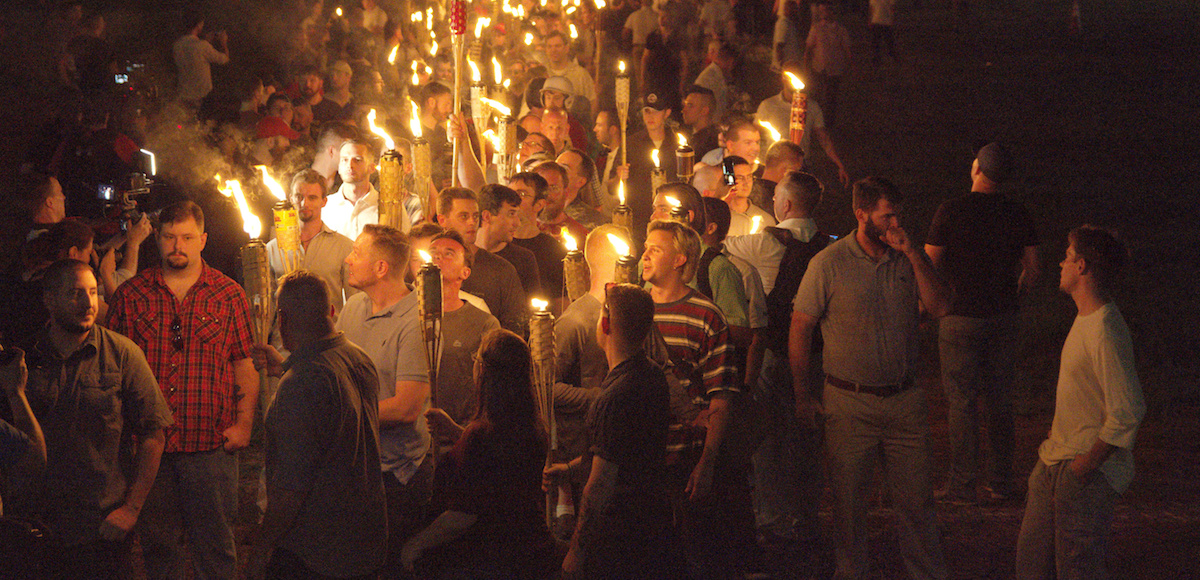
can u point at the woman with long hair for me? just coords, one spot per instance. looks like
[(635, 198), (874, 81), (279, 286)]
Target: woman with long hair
[(493, 525)]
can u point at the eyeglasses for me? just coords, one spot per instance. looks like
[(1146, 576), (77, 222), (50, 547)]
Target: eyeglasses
[(177, 333)]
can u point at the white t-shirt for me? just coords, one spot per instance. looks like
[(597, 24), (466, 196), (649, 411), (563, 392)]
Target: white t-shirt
[(642, 22), (193, 58), (1098, 396)]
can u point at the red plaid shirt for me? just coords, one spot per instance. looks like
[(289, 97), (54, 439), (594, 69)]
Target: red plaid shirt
[(197, 380)]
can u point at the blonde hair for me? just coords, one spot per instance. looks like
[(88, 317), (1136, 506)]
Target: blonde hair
[(686, 241)]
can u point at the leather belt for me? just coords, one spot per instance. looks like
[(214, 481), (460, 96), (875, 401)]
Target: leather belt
[(877, 390)]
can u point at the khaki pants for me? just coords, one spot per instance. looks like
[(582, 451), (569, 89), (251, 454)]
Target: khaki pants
[(1065, 531)]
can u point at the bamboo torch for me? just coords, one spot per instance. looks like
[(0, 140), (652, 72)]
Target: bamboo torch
[(575, 270), (622, 214), (799, 109), (479, 113), (287, 225), (256, 271), (685, 158), (626, 270), (677, 212), (506, 137), (541, 348), (623, 108), (422, 163), (391, 173)]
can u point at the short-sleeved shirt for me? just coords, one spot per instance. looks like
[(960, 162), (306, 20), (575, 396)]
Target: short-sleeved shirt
[(984, 236), (495, 280), (642, 23), (197, 380), (392, 339), (462, 331), (13, 444), (628, 426), (698, 342), (193, 59), (325, 257), (868, 312), (322, 440), (830, 46), (91, 404), (728, 290), (526, 265), (741, 223), (787, 33), (582, 366)]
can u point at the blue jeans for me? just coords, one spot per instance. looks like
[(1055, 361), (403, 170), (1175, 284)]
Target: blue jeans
[(977, 357), (1064, 533), (195, 495)]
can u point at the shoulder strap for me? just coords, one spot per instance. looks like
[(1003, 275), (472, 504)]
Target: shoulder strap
[(702, 282), (792, 266)]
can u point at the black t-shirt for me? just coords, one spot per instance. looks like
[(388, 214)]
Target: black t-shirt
[(549, 255), (527, 268), (628, 425), (984, 236)]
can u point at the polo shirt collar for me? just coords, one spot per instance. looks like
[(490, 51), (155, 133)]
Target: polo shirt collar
[(312, 348), (859, 252), (400, 308)]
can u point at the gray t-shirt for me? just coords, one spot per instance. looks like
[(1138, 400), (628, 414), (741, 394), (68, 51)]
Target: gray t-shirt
[(392, 338), (462, 331), (581, 368), (867, 311)]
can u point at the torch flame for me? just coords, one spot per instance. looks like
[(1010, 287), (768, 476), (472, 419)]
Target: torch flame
[(416, 80), (250, 222), (571, 10), (479, 24), (539, 304), (415, 124), (569, 241), (429, 18), (338, 11), (682, 139), (619, 245), (574, 32), (475, 76), (392, 55), (416, 16), (775, 136), (389, 144), (500, 108), (654, 157), (528, 39), (496, 71), (797, 84), (621, 66), (754, 223), (272, 185), (600, 4), (507, 82), (425, 257), (433, 48), (621, 191), (671, 200)]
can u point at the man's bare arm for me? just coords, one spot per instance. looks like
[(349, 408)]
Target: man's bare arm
[(245, 379), (406, 406)]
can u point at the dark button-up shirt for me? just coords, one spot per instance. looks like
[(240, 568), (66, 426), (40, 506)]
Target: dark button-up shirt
[(90, 404), (197, 380)]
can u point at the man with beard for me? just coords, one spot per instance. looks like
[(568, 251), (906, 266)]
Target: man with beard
[(864, 291), (356, 202), (193, 323), (322, 250), (92, 391), (337, 104)]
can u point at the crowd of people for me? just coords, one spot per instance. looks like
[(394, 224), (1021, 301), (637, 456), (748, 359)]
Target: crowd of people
[(706, 391)]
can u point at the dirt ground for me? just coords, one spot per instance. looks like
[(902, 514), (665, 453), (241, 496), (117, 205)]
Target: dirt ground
[(1103, 126)]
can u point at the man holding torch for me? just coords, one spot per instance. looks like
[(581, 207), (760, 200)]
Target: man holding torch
[(383, 320), (777, 111), (323, 251)]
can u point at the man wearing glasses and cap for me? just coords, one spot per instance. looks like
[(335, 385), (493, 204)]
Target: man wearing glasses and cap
[(557, 95), (193, 323)]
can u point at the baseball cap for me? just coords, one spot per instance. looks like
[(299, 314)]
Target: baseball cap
[(654, 101), (272, 126), (994, 162), (559, 84)]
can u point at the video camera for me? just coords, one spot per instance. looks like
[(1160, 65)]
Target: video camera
[(122, 204)]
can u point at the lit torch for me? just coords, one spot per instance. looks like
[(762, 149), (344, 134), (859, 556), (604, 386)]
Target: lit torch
[(391, 174), (626, 270), (506, 138), (685, 158), (623, 107), (422, 161), (799, 108), (256, 270), (541, 349), (458, 31), (575, 271), (478, 113), (771, 131), (677, 212), (287, 226), (622, 214), (658, 177)]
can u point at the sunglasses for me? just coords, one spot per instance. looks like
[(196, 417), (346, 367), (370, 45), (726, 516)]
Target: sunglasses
[(177, 333)]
